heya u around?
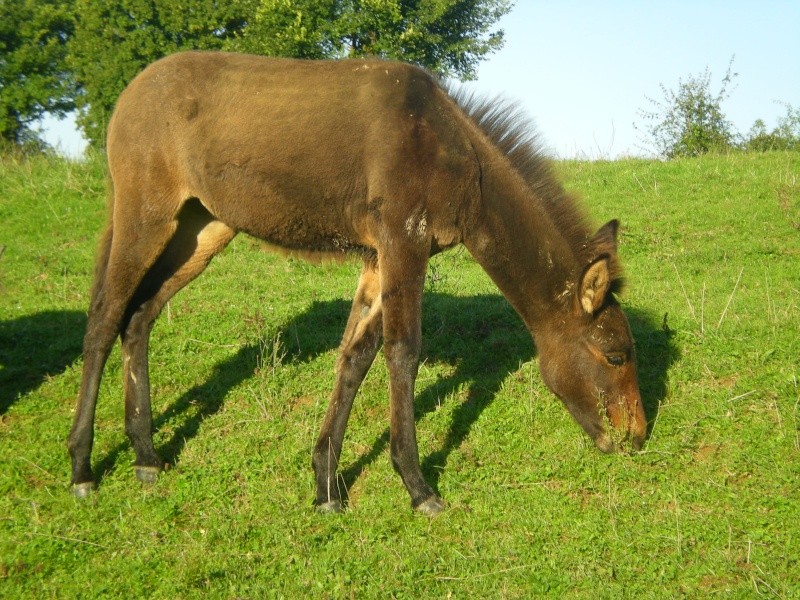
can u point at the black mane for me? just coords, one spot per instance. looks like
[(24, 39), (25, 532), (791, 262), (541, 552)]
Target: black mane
[(512, 132)]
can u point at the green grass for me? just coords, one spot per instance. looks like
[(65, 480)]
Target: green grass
[(242, 363)]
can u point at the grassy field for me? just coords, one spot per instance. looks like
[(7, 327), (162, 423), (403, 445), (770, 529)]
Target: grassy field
[(242, 363)]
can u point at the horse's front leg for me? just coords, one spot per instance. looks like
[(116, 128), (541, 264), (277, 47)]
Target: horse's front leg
[(402, 282), (359, 346)]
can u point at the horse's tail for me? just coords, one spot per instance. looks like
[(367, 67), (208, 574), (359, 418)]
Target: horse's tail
[(103, 252)]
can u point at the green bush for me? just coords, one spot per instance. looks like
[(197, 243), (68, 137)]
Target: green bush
[(690, 121), (786, 136)]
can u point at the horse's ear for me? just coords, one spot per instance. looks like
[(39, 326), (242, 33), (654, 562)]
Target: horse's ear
[(605, 240), (595, 283), (597, 278)]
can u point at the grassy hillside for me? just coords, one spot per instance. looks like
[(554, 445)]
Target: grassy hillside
[(242, 362)]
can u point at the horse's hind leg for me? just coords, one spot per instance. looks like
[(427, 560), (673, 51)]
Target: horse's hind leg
[(359, 346), (198, 238), (126, 255)]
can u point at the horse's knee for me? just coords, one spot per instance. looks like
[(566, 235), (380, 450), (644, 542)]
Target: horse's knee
[(402, 357)]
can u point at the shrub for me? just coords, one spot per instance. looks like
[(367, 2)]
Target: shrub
[(690, 121), (786, 136)]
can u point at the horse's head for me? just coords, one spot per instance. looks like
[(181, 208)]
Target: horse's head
[(587, 355)]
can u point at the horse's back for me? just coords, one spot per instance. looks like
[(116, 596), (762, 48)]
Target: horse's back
[(292, 151), (205, 101)]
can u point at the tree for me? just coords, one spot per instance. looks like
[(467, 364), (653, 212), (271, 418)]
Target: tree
[(115, 39), (447, 36), (690, 121), (786, 136), (33, 77)]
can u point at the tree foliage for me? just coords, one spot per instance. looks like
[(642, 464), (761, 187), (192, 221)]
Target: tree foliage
[(447, 36), (115, 39), (690, 121), (63, 54), (785, 136), (33, 76)]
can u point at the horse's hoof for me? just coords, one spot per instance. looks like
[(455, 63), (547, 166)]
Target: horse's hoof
[(330, 507), (431, 507), (147, 475), (83, 490)]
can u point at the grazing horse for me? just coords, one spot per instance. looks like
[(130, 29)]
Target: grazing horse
[(363, 157)]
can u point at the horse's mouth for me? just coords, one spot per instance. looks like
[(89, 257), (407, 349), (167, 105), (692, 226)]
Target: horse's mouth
[(623, 431), (607, 443)]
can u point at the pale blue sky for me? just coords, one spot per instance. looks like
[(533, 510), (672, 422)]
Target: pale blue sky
[(583, 69)]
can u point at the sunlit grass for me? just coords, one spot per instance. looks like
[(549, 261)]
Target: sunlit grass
[(242, 362)]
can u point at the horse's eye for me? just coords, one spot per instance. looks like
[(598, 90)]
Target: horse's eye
[(615, 360)]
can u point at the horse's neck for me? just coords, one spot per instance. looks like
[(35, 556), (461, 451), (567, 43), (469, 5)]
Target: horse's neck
[(518, 243)]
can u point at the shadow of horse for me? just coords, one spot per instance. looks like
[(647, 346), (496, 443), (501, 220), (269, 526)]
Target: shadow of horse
[(485, 338), (36, 347), (481, 336), (308, 335), (656, 352)]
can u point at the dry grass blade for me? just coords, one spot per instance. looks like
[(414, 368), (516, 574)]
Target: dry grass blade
[(685, 295), (730, 298)]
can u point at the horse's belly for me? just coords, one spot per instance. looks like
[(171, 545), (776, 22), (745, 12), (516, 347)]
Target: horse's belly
[(289, 213)]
